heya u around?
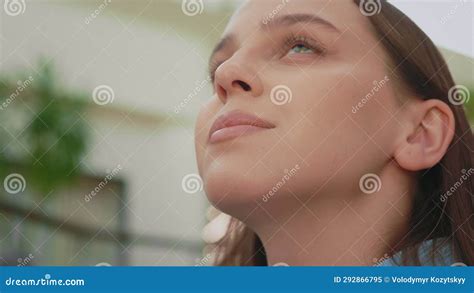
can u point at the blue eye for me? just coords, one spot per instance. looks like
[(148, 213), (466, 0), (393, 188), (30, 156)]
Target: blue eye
[(301, 48), (302, 45)]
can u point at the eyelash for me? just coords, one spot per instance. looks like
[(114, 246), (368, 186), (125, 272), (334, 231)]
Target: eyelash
[(288, 43), (294, 40)]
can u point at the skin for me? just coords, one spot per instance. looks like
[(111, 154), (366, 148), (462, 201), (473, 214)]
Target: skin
[(320, 215)]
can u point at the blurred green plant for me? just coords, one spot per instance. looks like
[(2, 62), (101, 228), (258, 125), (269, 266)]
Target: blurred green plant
[(41, 129), (469, 107)]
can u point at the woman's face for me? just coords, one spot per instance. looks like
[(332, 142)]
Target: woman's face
[(316, 77)]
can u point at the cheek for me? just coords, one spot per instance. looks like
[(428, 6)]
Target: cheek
[(317, 131), (336, 145), (201, 131)]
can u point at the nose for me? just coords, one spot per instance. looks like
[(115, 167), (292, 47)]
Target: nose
[(236, 77)]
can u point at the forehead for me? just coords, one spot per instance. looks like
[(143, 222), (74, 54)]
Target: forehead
[(252, 13)]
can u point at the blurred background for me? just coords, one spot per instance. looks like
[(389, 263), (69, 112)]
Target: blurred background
[(97, 107)]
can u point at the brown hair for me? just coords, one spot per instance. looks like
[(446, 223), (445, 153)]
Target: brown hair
[(423, 70)]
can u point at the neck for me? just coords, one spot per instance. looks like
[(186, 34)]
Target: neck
[(328, 230)]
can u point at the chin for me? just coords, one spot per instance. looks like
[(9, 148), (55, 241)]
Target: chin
[(236, 191)]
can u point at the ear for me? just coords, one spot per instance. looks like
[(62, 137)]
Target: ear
[(427, 136)]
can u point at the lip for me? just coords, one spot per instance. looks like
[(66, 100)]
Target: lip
[(235, 124)]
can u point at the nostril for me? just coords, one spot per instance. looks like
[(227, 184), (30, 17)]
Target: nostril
[(220, 91), (242, 84)]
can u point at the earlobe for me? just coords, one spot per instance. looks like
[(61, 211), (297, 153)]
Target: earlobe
[(428, 137)]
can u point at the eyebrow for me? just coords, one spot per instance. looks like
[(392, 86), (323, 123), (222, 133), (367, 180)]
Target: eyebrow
[(223, 43), (284, 20), (292, 19)]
